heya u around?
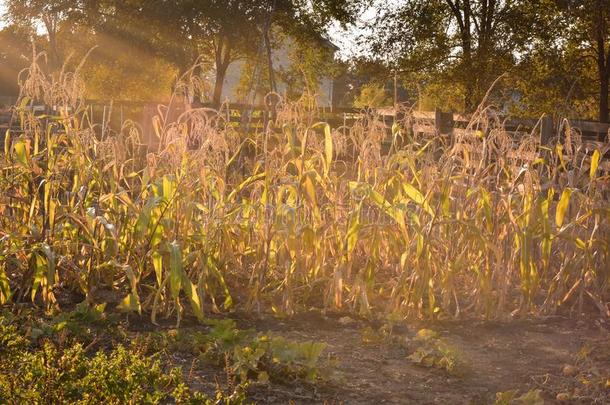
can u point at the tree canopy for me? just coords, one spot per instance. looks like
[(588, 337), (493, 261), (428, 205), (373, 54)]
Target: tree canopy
[(552, 55), (214, 33)]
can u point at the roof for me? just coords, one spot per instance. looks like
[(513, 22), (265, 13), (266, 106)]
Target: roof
[(328, 43)]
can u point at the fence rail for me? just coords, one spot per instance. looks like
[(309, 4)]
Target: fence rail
[(257, 117)]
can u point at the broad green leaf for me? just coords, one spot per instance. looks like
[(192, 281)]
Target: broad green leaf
[(175, 269)]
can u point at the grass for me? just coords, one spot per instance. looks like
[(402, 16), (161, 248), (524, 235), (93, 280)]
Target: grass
[(203, 219)]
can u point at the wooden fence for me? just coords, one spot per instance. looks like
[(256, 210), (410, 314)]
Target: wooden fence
[(253, 118)]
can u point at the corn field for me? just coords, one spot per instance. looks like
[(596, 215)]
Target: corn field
[(300, 216)]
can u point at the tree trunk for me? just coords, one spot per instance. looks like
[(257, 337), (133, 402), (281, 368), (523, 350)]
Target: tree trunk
[(603, 98), (218, 84), (272, 85), (462, 13), (54, 57), (603, 69), (469, 82), (223, 60)]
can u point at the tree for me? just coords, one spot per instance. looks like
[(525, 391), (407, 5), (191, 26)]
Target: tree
[(588, 29), (223, 31), (51, 14), (229, 30), (15, 45), (469, 42), (373, 95)]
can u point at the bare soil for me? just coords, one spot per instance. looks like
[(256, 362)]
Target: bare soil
[(493, 357)]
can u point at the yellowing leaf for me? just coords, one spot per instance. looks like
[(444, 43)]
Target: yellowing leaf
[(7, 142), (395, 129), (562, 207), (21, 152), (426, 334), (309, 188), (157, 260), (130, 303), (328, 147), (191, 292), (594, 164), (352, 233), (415, 195), (5, 288), (169, 188)]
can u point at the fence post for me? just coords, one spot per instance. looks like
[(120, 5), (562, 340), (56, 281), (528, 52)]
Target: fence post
[(546, 130), (443, 122), (266, 114)]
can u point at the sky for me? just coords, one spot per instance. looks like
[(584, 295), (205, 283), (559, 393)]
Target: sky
[(346, 39), (2, 10)]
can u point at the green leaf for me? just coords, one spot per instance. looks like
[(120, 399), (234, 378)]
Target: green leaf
[(175, 269)]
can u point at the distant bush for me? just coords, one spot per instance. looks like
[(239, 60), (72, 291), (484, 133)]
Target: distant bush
[(373, 95)]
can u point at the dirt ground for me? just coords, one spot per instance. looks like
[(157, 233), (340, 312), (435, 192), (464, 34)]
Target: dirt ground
[(493, 357)]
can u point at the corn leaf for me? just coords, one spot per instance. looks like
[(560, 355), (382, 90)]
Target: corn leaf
[(594, 164), (175, 269), (562, 207)]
